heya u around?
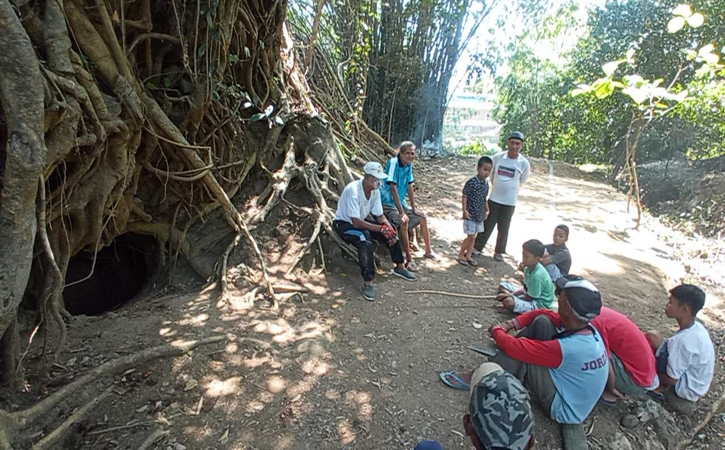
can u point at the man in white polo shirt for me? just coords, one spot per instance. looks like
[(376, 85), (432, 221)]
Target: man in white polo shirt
[(510, 170), (360, 199)]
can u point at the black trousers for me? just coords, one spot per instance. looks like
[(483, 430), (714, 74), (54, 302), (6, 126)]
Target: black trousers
[(499, 216), (365, 242)]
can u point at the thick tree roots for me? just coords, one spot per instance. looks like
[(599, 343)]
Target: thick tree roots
[(301, 166), (146, 117), (11, 424)]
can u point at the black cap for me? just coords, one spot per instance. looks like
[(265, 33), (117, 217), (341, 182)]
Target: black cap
[(517, 135), (584, 298)]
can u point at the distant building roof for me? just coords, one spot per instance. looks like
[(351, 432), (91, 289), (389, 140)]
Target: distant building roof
[(471, 101)]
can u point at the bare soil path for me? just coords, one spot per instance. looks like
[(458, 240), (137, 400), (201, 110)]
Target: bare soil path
[(330, 370)]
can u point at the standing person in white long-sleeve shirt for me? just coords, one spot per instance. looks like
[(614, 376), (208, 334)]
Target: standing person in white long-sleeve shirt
[(510, 170)]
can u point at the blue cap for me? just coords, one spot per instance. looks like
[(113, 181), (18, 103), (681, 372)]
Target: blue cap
[(517, 135), (428, 445)]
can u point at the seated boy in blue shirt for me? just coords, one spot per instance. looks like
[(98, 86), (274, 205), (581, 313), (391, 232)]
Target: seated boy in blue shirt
[(538, 291)]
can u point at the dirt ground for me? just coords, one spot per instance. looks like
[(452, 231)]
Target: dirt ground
[(330, 370)]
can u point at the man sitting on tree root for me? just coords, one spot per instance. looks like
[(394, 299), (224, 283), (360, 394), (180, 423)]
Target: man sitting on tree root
[(360, 199), (398, 197)]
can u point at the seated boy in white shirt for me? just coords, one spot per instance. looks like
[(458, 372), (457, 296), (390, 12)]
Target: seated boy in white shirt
[(685, 361)]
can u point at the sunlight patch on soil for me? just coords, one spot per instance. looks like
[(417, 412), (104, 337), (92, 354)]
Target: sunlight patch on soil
[(448, 230), (284, 333), (220, 388), (276, 384), (303, 386), (361, 402), (167, 332), (346, 432), (251, 363), (605, 264), (315, 366)]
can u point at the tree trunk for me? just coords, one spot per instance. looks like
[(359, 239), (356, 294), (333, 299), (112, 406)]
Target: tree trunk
[(148, 120), (634, 132), (21, 99), (319, 4)]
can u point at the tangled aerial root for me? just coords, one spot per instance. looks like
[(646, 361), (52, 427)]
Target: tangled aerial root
[(145, 121), (11, 424)]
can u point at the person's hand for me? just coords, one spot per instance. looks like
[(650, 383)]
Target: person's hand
[(520, 267), (508, 302), (502, 296), (404, 218), (389, 232), (505, 326), (466, 215)]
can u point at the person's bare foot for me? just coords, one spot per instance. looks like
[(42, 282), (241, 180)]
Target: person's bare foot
[(609, 397)]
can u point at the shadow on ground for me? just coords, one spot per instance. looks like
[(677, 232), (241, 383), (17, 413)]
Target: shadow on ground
[(328, 370)]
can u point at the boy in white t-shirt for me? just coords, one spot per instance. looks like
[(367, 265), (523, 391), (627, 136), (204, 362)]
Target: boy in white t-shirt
[(685, 361)]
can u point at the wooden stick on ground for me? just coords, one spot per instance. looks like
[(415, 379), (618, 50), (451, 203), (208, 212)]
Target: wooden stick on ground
[(454, 294), (480, 306)]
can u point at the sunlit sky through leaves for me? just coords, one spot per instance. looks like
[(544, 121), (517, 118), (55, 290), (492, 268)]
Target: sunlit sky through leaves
[(505, 25)]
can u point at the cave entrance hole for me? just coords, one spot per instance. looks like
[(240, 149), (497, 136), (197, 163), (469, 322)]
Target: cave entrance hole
[(122, 270)]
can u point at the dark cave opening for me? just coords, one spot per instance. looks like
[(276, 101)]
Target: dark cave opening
[(121, 271)]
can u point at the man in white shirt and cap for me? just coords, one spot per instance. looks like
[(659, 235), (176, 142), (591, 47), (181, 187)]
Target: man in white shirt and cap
[(510, 170), (359, 220)]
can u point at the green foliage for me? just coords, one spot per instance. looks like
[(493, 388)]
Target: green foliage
[(638, 67), (475, 148)]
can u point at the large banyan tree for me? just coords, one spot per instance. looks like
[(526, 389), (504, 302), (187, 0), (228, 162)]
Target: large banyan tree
[(140, 116)]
